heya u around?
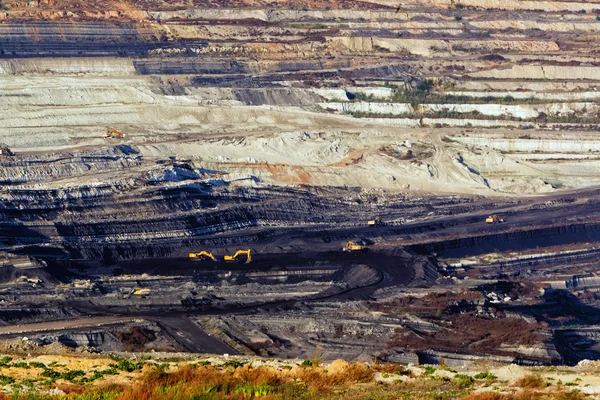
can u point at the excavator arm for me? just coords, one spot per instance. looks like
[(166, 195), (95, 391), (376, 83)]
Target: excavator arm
[(202, 254), (237, 254)]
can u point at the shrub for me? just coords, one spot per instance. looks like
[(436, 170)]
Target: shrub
[(37, 364), (429, 370), (6, 380), (71, 375), (128, 366), (5, 360), (101, 374), (486, 375), (232, 363), (462, 381), (531, 382), (50, 373), (307, 363)]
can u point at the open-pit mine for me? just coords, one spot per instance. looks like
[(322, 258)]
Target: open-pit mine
[(411, 181)]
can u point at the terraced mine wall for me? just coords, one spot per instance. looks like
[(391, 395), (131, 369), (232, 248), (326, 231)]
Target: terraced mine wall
[(513, 241), (97, 39), (283, 129)]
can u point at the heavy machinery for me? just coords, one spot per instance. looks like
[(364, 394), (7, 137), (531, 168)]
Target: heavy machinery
[(237, 254), (494, 219), (375, 222), (352, 246), (142, 292), (203, 255), (112, 133)]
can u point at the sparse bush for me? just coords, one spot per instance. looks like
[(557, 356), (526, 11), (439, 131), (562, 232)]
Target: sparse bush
[(531, 382), (232, 363), (306, 363), (6, 380), (486, 375), (5, 360), (462, 381), (128, 366), (71, 375), (50, 373), (429, 370)]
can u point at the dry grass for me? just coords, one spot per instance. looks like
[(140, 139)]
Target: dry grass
[(484, 396), (528, 394), (245, 381), (339, 380), (531, 382)]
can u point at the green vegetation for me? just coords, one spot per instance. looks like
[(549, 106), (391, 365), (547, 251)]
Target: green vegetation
[(20, 365), (71, 375), (5, 360), (101, 374), (486, 375), (462, 381), (429, 370), (232, 363), (128, 366)]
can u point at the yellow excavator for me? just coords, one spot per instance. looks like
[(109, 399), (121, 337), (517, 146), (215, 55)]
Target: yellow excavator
[(237, 254), (112, 133), (494, 219), (203, 255), (375, 222), (352, 246), (141, 292)]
